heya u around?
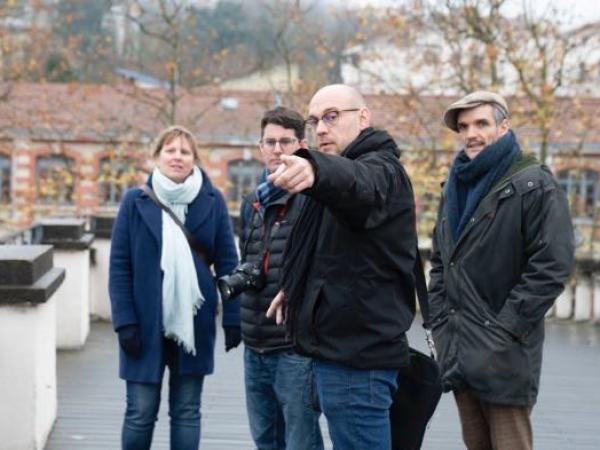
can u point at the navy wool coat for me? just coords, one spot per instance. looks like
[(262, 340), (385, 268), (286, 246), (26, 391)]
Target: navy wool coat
[(135, 279)]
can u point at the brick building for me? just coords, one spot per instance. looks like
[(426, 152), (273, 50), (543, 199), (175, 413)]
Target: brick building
[(71, 148)]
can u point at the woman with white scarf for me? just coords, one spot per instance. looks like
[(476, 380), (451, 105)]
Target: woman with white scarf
[(163, 293)]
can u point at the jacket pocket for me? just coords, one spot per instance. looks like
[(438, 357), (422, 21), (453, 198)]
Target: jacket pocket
[(492, 360)]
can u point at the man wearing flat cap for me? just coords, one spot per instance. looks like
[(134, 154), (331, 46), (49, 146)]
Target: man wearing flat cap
[(502, 251)]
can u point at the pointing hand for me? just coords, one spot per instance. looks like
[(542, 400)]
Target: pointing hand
[(295, 174)]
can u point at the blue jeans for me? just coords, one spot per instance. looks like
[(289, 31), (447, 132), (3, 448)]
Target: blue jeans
[(279, 399), (356, 405), (143, 401)]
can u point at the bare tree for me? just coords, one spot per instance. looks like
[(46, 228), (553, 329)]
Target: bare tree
[(523, 56)]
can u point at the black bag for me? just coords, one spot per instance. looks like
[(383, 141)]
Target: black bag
[(419, 391), (419, 384)]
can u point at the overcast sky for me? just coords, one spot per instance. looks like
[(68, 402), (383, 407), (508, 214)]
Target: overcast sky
[(575, 11)]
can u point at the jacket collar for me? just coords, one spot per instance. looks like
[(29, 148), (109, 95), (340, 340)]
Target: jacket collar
[(151, 215), (370, 140), (502, 189)]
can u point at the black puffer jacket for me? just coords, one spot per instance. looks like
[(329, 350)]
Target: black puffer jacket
[(359, 299), (489, 292), (258, 332)]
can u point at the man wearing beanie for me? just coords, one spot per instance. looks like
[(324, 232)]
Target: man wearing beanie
[(502, 251)]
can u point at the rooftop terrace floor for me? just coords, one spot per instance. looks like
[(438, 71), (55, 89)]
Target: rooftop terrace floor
[(91, 397)]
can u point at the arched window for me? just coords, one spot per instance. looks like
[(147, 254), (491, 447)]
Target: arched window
[(4, 179), (115, 176), (55, 179), (581, 186), (244, 176)]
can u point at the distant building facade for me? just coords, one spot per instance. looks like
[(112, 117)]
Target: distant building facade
[(424, 63), (74, 149)]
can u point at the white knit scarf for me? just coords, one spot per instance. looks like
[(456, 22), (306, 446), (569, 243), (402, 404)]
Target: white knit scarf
[(181, 296)]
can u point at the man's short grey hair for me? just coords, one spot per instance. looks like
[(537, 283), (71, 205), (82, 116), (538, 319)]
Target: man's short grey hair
[(499, 114)]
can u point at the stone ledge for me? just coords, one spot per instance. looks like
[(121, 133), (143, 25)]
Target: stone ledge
[(39, 292), (55, 229), (67, 244), (24, 264), (102, 226)]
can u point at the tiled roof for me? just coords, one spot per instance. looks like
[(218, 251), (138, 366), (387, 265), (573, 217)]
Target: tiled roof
[(85, 112), (100, 112)]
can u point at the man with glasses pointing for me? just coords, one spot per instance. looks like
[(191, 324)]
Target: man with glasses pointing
[(347, 293), (278, 381)]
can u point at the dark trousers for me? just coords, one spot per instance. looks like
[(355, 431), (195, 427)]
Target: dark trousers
[(487, 426)]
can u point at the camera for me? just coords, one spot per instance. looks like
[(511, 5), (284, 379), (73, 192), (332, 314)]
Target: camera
[(244, 277)]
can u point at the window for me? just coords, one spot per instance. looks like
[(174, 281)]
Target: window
[(244, 176), (116, 175), (55, 180), (581, 186), (4, 179)]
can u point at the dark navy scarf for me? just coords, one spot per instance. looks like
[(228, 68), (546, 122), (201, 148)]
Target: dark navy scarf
[(267, 193), (470, 180)]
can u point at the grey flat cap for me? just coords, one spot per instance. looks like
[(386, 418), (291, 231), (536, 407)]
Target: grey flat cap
[(472, 100)]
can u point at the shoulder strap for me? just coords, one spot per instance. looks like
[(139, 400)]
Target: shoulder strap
[(194, 244), (421, 289), (423, 298)]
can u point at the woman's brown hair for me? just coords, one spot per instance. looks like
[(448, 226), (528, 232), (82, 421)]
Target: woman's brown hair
[(170, 133)]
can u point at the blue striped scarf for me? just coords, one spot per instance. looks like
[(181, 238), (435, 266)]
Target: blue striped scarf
[(267, 193)]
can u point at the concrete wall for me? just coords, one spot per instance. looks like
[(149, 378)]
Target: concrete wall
[(73, 299), (100, 301), (27, 375)]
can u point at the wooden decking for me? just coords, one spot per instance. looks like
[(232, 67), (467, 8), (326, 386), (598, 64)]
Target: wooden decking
[(91, 397)]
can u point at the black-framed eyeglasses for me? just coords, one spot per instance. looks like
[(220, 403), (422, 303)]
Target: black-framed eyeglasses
[(284, 142), (330, 118)]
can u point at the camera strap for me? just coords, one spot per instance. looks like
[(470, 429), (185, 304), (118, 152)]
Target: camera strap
[(267, 237), (194, 244)]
